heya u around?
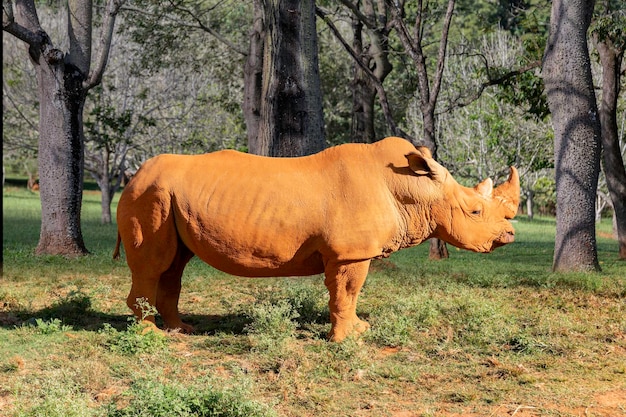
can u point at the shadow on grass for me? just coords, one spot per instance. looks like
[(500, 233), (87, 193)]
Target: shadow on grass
[(76, 311)]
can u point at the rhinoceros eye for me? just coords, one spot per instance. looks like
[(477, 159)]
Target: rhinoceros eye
[(476, 212)]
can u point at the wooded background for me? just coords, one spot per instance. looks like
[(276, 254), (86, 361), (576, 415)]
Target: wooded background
[(291, 77)]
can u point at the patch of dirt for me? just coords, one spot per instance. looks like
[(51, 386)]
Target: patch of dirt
[(607, 235), (606, 404)]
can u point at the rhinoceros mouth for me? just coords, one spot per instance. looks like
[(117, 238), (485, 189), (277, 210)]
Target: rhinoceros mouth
[(504, 239)]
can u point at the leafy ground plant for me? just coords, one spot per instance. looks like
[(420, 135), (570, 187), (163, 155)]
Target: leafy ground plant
[(475, 335)]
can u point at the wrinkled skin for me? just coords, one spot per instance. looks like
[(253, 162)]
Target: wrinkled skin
[(329, 213)]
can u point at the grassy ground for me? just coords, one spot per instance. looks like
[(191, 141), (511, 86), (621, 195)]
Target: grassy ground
[(475, 335)]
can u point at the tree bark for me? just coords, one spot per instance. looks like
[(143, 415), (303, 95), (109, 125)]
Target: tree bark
[(253, 79), (375, 56), (572, 102), (362, 126), (63, 81), (613, 163), (60, 158), (291, 118)]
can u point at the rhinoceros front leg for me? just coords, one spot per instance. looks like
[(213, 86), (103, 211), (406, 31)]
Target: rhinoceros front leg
[(344, 282)]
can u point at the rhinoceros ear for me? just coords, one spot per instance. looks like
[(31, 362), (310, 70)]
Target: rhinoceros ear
[(485, 188), (425, 151), (418, 164)]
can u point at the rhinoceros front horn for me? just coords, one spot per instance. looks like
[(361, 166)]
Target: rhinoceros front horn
[(509, 194)]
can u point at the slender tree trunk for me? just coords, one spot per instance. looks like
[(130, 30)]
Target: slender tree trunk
[(291, 118), (105, 186), (530, 195), (572, 102), (614, 170)]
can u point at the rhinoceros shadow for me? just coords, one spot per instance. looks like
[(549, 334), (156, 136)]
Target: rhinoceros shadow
[(76, 312)]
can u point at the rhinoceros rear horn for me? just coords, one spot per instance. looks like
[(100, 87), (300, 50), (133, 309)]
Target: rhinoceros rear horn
[(509, 193)]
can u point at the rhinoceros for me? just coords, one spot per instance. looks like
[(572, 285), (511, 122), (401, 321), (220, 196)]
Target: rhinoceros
[(332, 213)]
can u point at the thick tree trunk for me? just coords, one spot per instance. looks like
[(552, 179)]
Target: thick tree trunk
[(292, 121), (614, 170), (63, 81), (61, 153), (572, 102)]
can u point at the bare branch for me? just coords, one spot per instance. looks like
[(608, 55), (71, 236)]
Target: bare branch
[(111, 11), (27, 27), (441, 56), (209, 30), (362, 18), (382, 95), (28, 120), (457, 103)]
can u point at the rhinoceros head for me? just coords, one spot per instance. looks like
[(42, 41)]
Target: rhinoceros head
[(475, 218)]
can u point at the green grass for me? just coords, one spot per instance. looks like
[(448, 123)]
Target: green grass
[(472, 335)]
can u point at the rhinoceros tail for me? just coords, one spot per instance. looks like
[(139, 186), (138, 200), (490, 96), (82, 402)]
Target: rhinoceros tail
[(116, 252)]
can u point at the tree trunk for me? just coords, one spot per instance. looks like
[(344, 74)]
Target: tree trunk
[(291, 118), (253, 79), (614, 170), (63, 81), (530, 195), (61, 157), (572, 102), (362, 126), (375, 57), (428, 91), (107, 190)]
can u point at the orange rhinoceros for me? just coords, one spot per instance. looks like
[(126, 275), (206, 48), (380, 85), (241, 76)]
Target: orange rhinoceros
[(332, 212)]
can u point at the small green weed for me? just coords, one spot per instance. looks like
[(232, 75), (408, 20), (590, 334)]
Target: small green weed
[(391, 328), (136, 339), (49, 326)]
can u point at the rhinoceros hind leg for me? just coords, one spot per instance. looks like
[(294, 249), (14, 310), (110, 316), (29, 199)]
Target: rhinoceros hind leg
[(344, 282), (168, 292)]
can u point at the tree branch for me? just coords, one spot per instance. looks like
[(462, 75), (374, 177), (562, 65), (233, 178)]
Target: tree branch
[(27, 28), (209, 30), (441, 56), (490, 82), (360, 16), (382, 95), (111, 11)]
